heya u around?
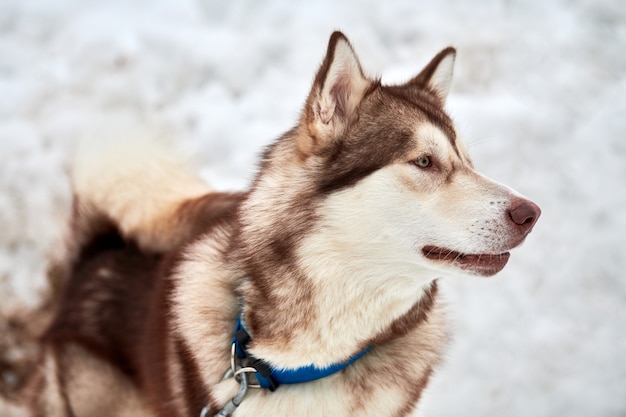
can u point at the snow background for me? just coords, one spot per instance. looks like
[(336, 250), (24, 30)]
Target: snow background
[(538, 94)]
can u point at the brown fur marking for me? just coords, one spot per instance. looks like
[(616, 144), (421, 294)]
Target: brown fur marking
[(160, 322), (411, 319)]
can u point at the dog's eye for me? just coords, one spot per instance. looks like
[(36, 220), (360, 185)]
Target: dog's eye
[(423, 162)]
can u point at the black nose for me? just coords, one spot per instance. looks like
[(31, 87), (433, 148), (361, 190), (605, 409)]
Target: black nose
[(524, 214)]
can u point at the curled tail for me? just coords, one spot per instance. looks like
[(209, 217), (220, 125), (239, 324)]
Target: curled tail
[(137, 186)]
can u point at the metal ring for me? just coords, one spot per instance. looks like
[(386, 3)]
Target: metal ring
[(236, 370), (233, 364), (247, 370)]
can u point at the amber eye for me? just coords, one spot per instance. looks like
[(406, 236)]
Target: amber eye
[(423, 162)]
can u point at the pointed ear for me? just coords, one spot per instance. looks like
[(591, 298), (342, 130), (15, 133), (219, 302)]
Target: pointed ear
[(337, 91), (437, 75)]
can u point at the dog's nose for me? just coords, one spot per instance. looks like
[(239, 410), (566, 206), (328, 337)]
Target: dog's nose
[(524, 214)]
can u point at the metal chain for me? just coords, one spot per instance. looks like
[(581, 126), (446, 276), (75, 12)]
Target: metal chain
[(240, 374)]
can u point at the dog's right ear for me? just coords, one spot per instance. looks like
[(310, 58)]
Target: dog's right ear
[(337, 91)]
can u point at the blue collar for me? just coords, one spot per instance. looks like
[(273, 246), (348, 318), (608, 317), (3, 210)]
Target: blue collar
[(270, 377)]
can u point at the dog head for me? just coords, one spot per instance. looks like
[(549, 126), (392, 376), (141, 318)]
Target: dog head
[(377, 175)]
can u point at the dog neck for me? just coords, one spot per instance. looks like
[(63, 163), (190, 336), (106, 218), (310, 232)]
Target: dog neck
[(322, 284), (294, 334), (325, 307)]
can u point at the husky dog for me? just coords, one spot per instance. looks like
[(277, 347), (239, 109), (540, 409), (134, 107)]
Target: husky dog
[(314, 293)]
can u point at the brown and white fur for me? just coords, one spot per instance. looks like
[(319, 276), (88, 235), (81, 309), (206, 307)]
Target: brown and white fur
[(354, 215)]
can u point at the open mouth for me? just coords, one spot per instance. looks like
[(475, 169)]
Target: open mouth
[(486, 264)]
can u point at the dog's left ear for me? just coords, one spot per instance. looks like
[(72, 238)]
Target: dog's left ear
[(338, 89), (436, 77)]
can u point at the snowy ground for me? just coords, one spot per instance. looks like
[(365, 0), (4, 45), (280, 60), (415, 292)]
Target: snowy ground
[(539, 94)]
